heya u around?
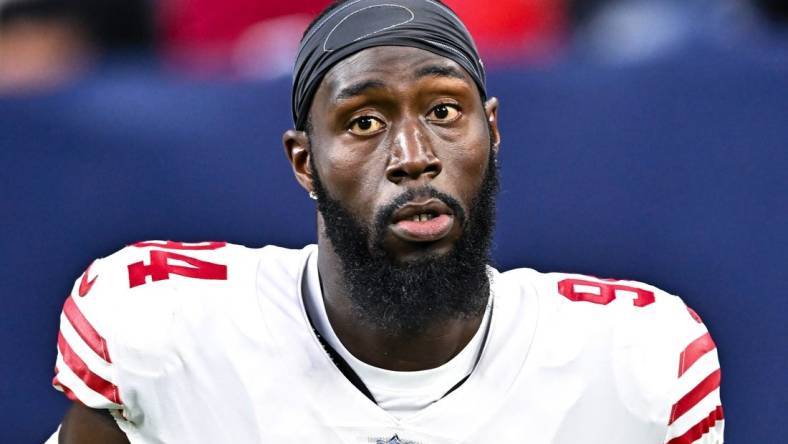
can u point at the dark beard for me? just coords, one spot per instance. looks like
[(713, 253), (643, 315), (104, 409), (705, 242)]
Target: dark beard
[(406, 298)]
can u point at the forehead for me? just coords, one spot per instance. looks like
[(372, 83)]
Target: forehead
[(390, 65)]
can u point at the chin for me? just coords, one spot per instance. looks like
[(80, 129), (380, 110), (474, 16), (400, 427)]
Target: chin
[(419, 252)]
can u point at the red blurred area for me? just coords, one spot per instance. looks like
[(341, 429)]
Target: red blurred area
[(513, 29), (212, 23), (258, 39)]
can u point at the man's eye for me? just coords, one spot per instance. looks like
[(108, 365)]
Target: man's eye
[(366, 125), (444, 113)]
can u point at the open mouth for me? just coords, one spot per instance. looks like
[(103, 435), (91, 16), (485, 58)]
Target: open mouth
[(425, 221)]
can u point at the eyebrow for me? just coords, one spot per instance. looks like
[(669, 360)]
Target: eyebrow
[(439, 71), (359, 88)]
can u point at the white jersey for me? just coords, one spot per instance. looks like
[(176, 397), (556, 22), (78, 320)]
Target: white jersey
[(210, 343)]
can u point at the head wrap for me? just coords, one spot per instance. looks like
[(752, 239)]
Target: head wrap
[(362, 24)]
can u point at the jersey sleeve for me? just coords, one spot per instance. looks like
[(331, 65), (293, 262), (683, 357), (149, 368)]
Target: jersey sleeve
[(115, 326), (84, 370), (696, 415)]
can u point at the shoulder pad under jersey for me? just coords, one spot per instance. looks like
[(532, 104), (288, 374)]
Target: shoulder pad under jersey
[(129, 298)]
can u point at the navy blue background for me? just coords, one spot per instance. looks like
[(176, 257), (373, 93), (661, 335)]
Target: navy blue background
[(671, 172)]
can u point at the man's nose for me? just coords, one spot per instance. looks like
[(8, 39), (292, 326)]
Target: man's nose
[(412, 156)]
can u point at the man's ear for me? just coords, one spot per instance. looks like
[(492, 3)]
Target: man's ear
[(491, 110), (298, 151)]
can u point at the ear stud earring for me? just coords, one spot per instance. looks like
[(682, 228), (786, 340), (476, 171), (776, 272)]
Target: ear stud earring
[(313, 195)]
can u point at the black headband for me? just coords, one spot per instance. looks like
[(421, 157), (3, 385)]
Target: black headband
[(361, 24)]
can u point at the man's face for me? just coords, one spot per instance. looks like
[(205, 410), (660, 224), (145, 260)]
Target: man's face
[(392, 120), (401, 153)]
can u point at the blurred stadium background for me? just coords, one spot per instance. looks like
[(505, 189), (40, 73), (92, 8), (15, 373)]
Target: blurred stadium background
[(641, 139)]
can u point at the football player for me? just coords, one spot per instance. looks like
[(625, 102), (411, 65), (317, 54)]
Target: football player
[(393, 328)]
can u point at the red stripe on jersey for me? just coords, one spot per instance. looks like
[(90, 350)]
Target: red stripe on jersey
[(700, 428), (92, 380), (694, 396), (66, 391), (85, 330), (172, 245), (694, 351)]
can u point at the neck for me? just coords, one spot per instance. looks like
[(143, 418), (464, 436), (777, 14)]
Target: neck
[(431, 347)]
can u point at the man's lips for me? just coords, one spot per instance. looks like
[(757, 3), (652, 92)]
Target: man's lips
[(426, 221)]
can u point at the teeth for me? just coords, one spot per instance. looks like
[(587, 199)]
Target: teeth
[(421, 217)]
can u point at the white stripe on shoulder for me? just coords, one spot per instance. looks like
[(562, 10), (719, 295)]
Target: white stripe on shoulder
[(85, 394), (695, 415), (702, 368), (94, 362)]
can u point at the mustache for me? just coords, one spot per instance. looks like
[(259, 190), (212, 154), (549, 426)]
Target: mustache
[(385, 214)]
